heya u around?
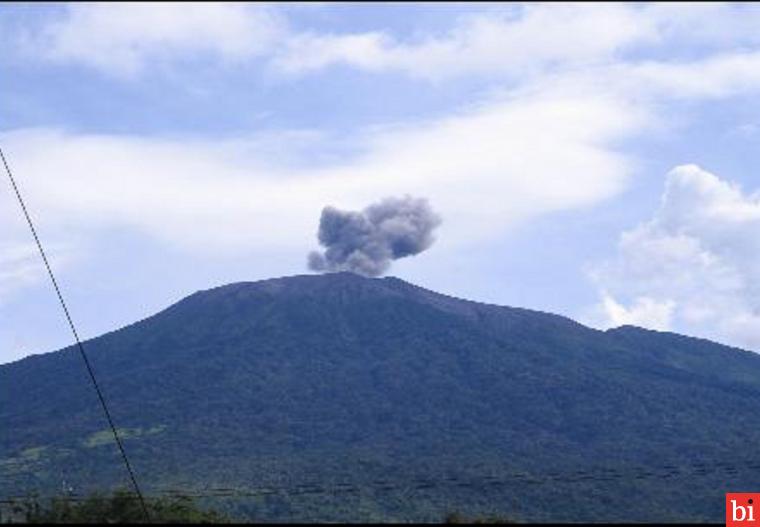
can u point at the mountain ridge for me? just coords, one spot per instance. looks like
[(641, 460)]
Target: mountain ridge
[(340, 377), (271, 285)]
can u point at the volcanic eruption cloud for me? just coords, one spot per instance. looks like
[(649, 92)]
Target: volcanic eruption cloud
[(367, 242)]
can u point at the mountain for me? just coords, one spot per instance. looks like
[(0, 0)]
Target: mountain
[(336, 397)]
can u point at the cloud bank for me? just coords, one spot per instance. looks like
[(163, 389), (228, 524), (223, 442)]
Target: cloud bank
[(516, 158), (125, 39), (367, 242)]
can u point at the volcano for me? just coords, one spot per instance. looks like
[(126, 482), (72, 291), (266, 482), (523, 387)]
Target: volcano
[(338, 397)]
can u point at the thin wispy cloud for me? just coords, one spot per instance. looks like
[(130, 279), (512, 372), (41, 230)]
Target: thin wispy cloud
[(21, 266)]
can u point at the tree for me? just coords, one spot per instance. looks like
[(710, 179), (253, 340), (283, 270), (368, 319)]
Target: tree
[(120, 507), (456, 518)]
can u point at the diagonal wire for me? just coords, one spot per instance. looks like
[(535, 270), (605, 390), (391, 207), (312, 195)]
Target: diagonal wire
[(76, 336)]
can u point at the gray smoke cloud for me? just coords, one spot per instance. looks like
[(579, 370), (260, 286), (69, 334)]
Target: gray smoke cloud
[(367, 242)]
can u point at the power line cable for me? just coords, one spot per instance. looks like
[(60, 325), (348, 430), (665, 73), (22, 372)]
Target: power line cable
[(76, 336)]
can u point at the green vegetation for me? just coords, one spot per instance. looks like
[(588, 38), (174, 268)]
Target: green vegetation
[(105, 437), (340, 398), (33, 453), (119, 507), (455, 518)]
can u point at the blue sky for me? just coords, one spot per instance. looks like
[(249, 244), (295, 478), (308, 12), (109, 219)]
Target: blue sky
[(596, 161)]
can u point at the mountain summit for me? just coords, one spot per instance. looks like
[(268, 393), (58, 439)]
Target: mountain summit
[(412, 402)]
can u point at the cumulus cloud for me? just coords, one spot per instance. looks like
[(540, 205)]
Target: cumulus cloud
[(367, 242), (644, 311), (694, 267)]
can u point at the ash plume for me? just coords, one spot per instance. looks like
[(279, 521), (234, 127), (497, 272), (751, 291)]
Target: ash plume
[(367, 242)]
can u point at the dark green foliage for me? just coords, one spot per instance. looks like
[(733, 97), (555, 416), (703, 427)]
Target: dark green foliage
[(419, 402), (119, 507), (455, 518)]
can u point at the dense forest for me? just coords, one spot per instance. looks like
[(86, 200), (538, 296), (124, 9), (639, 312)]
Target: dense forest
[(337, 397)]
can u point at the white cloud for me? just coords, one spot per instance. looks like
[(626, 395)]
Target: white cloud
[(515, 41), (728, 24), (484, 170), (696, 263), (644, 312), (719, 75), (119, 38), (518, 41), (532, 39), (21, 265)]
